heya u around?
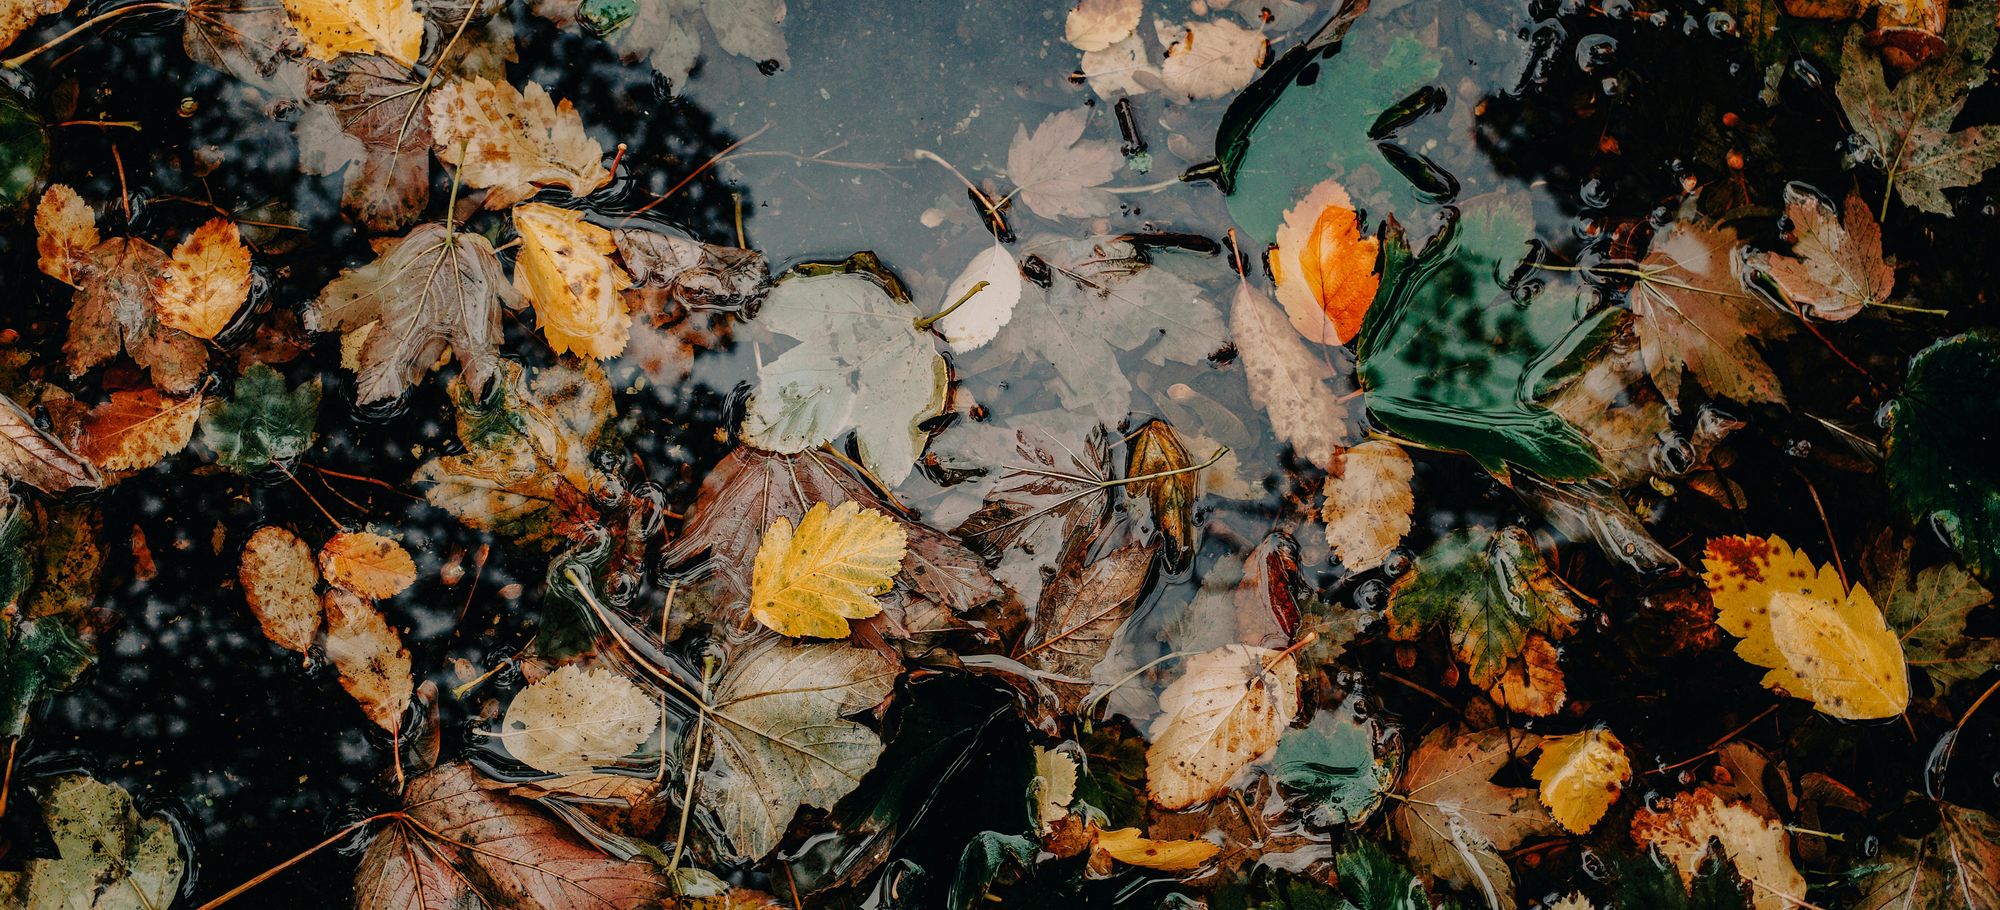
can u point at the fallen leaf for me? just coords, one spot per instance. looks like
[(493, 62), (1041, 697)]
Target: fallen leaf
[(1822, 641), (1052, 497), (1906, 132), (107, 856), (17, 16), (1057, 173), (136, 429), (374, 666), (1758, 845), (1155, 451), (691, 271), (1293, 383), (1929, 611), (576, 718), (432, 290), (1937, 445), (1456, 822), (1210, 59), (207, 281), (115, 307), (261, 422), (251, 40), (30, 455), (752, 29), (1369, 504), (279, 579), (1324, 267), (810, 583), (1836, 265), (513, 142), (1131, 847), (565, 271), (376, 137), (1581, 776), (1226, 709), (1956, 865), (1338, 766), (975, 320), (1080, 613), (65, 233), (1694, 314), (1094, 25), (1054, 787), (367, 564), (1120, 70), (335, 27)]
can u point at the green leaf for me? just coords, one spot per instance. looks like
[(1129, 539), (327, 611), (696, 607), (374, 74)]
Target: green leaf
[(1450, 358), (1650, 881), (1333, 763), (1490, 590), (1929, 610), (261, 422), (1940, 462), (984, 857), (108, 856), (1113, 776), (24, 148), (1372, 879), (37, 656)]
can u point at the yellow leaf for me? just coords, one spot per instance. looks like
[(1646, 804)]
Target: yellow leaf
[(65, 233), (1324, 268), (334, 27), (574, 719), (566, 272), (1128, 846), (1055, 785), (368, 564), (1368, 503), (374, 666), (1218, 717), (811, 581), (1581, 775), (278, 579), (514, 142), (1756, 844), (1821, 641), (207, 281)]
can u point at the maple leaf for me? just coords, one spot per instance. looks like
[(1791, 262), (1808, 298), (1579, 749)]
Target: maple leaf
[(1455, 821), (1324, 267), (278, 576), (1821, 640), (1757, 844), (1836, 265), (335, 27), (1905, 132), (1056, 172), (1228, 707), (136, 429), (1211, 58), (1047, 499), (1956, 865), (382, 147), (431, 290), (115, 308), (368, 564), (1581, 776), (1295, 384), (665, 32), (261, 422), (575, 718), (513, 142), (812, 581), (1692, 314), (1080, 613), (31, 455), (374, 666), (1929, 610), (1368, 503), (565, 271)]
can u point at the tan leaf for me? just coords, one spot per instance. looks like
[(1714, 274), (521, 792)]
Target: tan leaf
[(1456, 822), (375, 135), (812, 581), (1132, 847), (1836, 265), (335, 27), (1693, 314), (1210, 59), (1224, 711), (279, 579), (17, 15), (514, 142), (1055, 785), (1758, 846), (1155, 449), (1581, 776), (207, 281), (374, 666), (565, 271), (368, 564), (1368, 504), (30, 455), (136, 429), (1080, 612), (65, 233), (1294, 384), (114, 309), (1095, 25), (1058, 173), (576, 718)]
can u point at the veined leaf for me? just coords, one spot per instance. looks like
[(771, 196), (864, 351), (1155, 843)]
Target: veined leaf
[(575, 718), (512, 141), (565, 271), (1456, 822), (335, 27), (1228, 707), (809, 583), (1581, 776)]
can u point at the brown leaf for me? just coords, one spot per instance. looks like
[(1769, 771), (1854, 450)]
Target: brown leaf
[(1694, 314), (278, 579), (373, 664), (65, 233), (1457, 822), (1836, 265), (514, 141), (368, 564), (114, 309), (136, 429), (375, 100), (1079, 616), (207, 281), (1047, 504), (693, 272), (32, 456), (1157, 449), (252, 40)]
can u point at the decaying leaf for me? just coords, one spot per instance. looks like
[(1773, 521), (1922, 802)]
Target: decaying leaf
[(565, 271), (1929, 610), (30, 455), (1294, 383), (1956, 865), (17, 16), (1836, 265), (1324, 267), (1055, 786), (374, 666), (975, 320), (367, 564), (118, 286), (1822, 641), (691, 271), (513, 142), (1758, 845), (335, 27), (1057, 173), (1081, 611), (1456, 822), (262, 421), (1155, 451), (809, 583), (108, 856), (1368, 503), (575, 718), (1906, 132), (666, 32), (65, 233), (375, 135), (1693, 314), (1093, 25), (279, 581), (1338, 766), (1581, 776), (207, 280), (1211, 58), (1132, 847), (136, 429), (1227, 708)]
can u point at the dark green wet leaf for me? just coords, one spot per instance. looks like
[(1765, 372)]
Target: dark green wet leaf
[(1334, 766), (985, 857), (1941, 464), (261, 422), (1113, 777), (1647, 880), (24, 148)]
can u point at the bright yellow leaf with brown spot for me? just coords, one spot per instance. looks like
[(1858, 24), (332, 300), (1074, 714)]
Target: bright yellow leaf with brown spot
[(1324, 267), (207, 281), (1822, 641), (1129, 846), (391, 28), (1581, 776), (565, 271), (368, 564), (65, 233), (812, 580)]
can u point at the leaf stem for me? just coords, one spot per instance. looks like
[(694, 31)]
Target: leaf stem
[(1904, 308), (272, 872), (1162, 475), (16, 61), (688, 770), (926, 322), (1144, 188)]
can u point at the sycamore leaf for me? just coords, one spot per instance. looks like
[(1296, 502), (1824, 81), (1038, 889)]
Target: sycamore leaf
[(810, 583), (979, 318), (375, 135), (107, 855), (261, 422), (780, 737), (432, 290), (1456, 822), (1294, 383), (1822, 641), (335, 27), (30, 455), (1581, 776), (575, 718), (1692, 313), (1131, 847), (1836, 265), (207, 281), (1759, 846), (1906, 132), (1955, 866), (114, 308), (1057, 173), (367, 564), (1929, 611), (1227, 708), (1094, 25), (1079, 616), (565, 272), (1054, 786), (374, 666), (136, 429), (513, 142), (1368, 503), (65, 233), (279, 578), (1210, 59), (1324, 267)]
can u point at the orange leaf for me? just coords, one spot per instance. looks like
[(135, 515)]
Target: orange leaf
[(207, 281), (368, 564), (1324, 267)]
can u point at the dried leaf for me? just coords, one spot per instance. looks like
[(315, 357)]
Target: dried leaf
[(251, 40), (374, 666), (108, 856), (1210, 59), (1458, 822), (565, 271), (1292, 382), (1929, 611), (1055, 786), (576, 718), (1324, 267), (1906, 132), (135, 429), (1758, 845), (114, 309), (513, 142), (380, 137), (335, 27), (367, 564), (279, 579), (1079, 616), (207, 281), (1094, 25), (1057, 172), (1838, 268), (691, 271), (65, 233), (1050, 500), (810, 583), (1227, 708), (30, 455), (1692, 313), (1956, 865), (1369, 504), (1132, 847), (1581, 776)]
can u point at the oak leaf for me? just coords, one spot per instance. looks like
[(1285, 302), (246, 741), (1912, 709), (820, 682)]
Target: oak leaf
[(335, 27), (207, 281), (367, 564), (810, 582), (279, 577), (1836, 266), (374, 666), (1227, 708), (1324, 266), (1581, 776), (566, 273), (135, 429), (1369, 503), (1057, 173), (1758, 845), (1456, 822), (576, 718), (513, 142)]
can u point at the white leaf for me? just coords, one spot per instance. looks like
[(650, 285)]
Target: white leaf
[(1289, 379), (574, 719), (1210, 59), (1094, 25), (1057, 173), (1224, 712), (1121, 69), (980, 318), (749, 28)]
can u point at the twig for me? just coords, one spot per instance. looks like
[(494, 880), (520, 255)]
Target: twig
[(338, 528), (696, 173), (268, 874), (15, 62), (688, 770)]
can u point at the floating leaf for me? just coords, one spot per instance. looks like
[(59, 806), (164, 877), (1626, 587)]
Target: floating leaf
[(335, 27), (665, 32), (279, 578), (115, 308), (513, 141), (1581, 776), (1956, 865), (374, 666), (576, 718), (1338, 766), (136, 429), (1906, 132), (1929, 611), (108, 856), (1131, 847), (30, 455), (1295, 384), (65, 233), (1211, 58), (1758, 845), (1836, 265), (810, 583), (975, 320), (1079, 616), (207, 281), (367, 564), (1051, 499), (565, 271), (1368, 504), (1693, 314), (1458, 822), (1938, 462), (261, 422), (1055, 786), (1324, 267), (1228, 707), (1057, 173), (1093, 25), (25, 142), (1155, 449), (380, 140)]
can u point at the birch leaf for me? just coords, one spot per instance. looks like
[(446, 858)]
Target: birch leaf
[(976, 321), (1324, 267), (335, 27), (1057, 172), (565, 271), (136, 429), (1581, 776), (279, 578), (514, 142), (810, 583), (1292, 382), (1225, 710), (65, 233), (1458, 822), (207, 281), (368, 564), (374, 666), (1210, 59), (1369, 504), (1758, 845), (576, 718), (1836, 266)]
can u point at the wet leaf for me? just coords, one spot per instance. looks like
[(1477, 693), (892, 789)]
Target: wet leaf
[(565, 272), (1758, 845), (1956, 865), (1296, 385), (38, 656), (575, 718), (1649, 880), (30, 455), (1939, 441), (374, 666), (1131, 847), (513, 141), (1228, 707), (1457, 822), (1211, 58), (1836, 265), (279, 578), (261, 422), (432, 290), (981, 317), (65, 233), (382, 141), (335, 27), (108, 856), (1093, 25), (1048, 500), (251, 40), (1694, 315), (1055, 786), (1928, 611), (1581, 776), (1338, 766), (1155, 449), (1324, 267), (136, 429), (1906, 131), (1368, 504), (207, 281), (694, 272), (367, 564), (16, 16), (781, 740), (1822, 641), (115, 308), (1057, 173), (1079, 616), (810, 583), (860, 364)]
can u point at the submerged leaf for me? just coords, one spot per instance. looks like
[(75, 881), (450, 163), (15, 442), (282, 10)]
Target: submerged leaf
[(261, 422), (279, 577), (810, 583), (1209, 59), (1079, 616), (1227, 708), (1939, 463), (1294, 383), (1956, 865), (1758, 845), (108, 856), (1057, 173), (1338, 766), (1693, 314), (1929, 611), (383, 140), (1836, 266), (1460, 821), (575, 718)]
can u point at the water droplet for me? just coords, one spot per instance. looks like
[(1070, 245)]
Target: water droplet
[(1596, 52), (1398, 562), (1370, 595), (1720, 24)]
